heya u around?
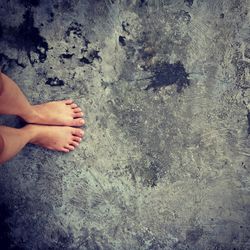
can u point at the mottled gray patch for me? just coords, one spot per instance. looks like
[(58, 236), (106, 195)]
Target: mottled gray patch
[(194, 234)]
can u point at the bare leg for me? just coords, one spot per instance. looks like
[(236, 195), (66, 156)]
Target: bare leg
[(52, 137), (1, 144), (13, 102)]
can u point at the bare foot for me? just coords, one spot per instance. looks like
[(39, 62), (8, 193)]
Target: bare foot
[(58, 138), (65, 113)]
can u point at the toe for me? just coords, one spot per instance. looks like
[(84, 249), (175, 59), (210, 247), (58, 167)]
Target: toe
[(78, 115), (70, 147), (74, 144), (76, 138), (69, 101), (76, 110), (78, 132), (73, 105), (77, 122), (64, 150)]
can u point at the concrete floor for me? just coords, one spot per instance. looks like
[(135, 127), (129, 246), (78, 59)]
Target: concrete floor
[(165, 85)]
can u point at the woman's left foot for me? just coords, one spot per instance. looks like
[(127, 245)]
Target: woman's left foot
[(64, 113)]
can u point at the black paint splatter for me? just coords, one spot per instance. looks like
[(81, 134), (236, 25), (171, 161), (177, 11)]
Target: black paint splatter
[(143, 2), (27, 37), (166, 74), (51, 17), (124, 27), (54, 82), (189, 2), (86, 42), (7, 62), (248, 119), (90, 57), (30, 3), (66, 56), (85, 60), (122, 40), (75, 29)]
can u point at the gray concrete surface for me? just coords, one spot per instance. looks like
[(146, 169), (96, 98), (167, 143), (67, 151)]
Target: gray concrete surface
[(165, 88)]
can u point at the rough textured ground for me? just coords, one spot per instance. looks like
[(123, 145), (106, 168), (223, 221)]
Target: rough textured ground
[(165, 86)]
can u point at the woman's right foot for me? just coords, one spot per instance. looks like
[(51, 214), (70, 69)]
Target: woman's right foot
[(56, 138)]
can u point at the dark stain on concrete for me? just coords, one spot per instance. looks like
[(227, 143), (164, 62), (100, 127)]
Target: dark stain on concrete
[(30, 3), (54, 82), (183, 16), (147, 54), (67, 5), (151, 174), (93, 239), (189, 2), (143, 2), (61, 240), (247, 53), (27, 37), (75, 29), (125, 26), (6, 242), (194, 234), (85, 60), (7, 63), (166, 74), (90, 57), (65, 56), (122, 40), (1, 31), (248, 119), (51, 17)]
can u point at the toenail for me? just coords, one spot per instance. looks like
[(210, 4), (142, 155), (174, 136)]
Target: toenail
[(82, 121)]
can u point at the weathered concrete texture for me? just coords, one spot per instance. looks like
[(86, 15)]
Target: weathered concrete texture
[(165, 87)]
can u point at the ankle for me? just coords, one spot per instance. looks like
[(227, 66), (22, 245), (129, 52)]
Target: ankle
[(32, 116), (30, 132)]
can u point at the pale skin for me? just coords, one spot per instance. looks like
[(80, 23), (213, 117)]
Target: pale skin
[(53, 125)]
